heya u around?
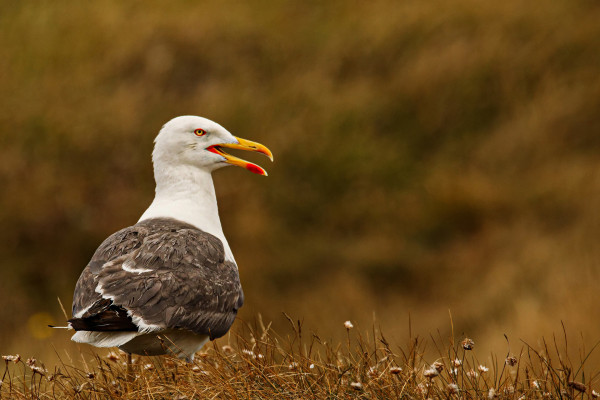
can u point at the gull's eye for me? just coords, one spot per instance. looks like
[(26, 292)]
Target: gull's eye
[(199, 132)]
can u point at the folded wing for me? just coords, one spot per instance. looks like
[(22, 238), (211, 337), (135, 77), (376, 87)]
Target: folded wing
[(158, 274)]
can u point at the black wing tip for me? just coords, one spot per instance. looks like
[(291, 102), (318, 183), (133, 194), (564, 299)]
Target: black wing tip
[(60, 327), (112, 319)]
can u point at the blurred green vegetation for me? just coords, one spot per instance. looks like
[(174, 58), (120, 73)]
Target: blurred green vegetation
[(429, 155)]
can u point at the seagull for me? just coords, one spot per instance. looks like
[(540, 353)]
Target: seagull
[(169, 283)]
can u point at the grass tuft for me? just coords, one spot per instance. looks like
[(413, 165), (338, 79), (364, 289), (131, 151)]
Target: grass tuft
[(259, 363)]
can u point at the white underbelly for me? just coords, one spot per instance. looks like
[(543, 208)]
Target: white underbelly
[(181, 343)]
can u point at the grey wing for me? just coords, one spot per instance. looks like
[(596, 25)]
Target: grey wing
[(117, 245), (165, 275)]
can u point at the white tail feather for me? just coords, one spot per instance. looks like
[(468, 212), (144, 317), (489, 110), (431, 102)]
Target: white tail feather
[(103, 339)]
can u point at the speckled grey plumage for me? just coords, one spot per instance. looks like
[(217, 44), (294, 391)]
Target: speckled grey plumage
[(164, 271)]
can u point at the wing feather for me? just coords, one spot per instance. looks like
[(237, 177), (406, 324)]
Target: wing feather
[(164, 272)]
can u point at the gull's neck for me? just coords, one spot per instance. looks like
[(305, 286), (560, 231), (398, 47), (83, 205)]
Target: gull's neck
[(187, 193)]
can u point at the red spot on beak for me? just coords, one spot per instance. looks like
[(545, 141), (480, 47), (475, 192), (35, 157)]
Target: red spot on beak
[(256, 169)]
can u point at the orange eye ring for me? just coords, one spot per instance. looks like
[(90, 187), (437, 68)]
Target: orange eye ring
[(199, 132)]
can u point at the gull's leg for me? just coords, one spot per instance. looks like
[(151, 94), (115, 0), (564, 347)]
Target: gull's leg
[(129, 368)]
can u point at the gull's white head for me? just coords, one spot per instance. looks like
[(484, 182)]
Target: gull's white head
[(199, 142)]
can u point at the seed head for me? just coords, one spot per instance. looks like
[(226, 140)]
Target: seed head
[(348, 325), (38, 370), (356, 386), (483, 369), (492, 394), (430, 373), (511, 361), (395, 370), (423, 387), (595, 394), (14, 359), (457, 362), (467, 344), (31, 362), (112, 356), (452, 388), (472, 374), (438, 366)]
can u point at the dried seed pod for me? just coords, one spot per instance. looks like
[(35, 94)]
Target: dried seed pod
[(38, 370), (467, 344), (395, 370), (14, 359), (452, 388), (472, 374), (430, 373), (438, 366), (511, 361)]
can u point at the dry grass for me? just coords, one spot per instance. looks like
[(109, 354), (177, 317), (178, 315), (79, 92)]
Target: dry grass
[(258, 363)]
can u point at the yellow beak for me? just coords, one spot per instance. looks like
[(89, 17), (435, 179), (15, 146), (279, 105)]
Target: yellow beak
[(243, 144)]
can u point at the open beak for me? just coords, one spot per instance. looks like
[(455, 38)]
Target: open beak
[(242, 144)]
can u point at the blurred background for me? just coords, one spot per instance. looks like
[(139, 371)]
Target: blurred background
[(432, 158)]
